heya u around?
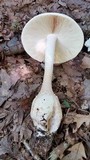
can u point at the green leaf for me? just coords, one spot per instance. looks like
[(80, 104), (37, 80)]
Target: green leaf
[(66, 103)]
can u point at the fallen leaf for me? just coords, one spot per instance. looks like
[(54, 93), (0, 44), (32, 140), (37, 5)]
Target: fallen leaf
[(66, 104), (13, 151), (88, 148), (85, 137), (87, 89), (78, 148), (77, 152), (14, 77), (2, 124), (58, 151), (85, 105), (62, 3), (1, 38), (5, 146), (22, 91), (8, 118), (85, 62), (25, 2), (28, 148), (17, 120), (7, 82), (5, 86), (3, 114), (25, 132), (20, 115), (78, 118), (71, 69)]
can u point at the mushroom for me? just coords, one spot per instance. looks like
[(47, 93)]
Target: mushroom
[(51, 38)]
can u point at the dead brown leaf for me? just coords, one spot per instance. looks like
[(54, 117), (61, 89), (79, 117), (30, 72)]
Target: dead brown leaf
[(3, 113), (78, 118), (17, 120), (3, 117), (85, 137), (12, 149), (6, 83), (86, 94), (62, 3), (58, 151), (85, 62), (5, 146), (77, 152), (87, 89), (25, 132), (71, 69)]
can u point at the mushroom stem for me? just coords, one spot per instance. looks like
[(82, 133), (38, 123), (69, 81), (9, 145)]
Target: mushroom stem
[(49, 60)]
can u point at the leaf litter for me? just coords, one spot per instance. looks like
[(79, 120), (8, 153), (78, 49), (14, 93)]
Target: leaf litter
[(58, 152), (20, 81), (77, 152), (79, 119), (24, 77)]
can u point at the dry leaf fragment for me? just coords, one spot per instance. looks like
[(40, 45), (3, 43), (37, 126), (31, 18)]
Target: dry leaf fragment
[(6, 83), (78, 118), (85, 105), (17, 120), (5, 146), (25, 2), (88, 149), (3, 114), (5, 86), (58, 151), (85, 62), (35, 156), (86, 94), (71, 69), (78, 148), (77, 152), (25, 132), (62, 3)]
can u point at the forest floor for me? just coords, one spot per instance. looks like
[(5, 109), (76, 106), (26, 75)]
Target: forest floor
[(20, 81)]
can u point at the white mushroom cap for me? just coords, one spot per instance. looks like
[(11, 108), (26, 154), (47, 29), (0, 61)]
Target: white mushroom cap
[(70, 37)]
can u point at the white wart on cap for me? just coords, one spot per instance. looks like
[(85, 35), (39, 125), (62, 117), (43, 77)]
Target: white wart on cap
[(69, 36)]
